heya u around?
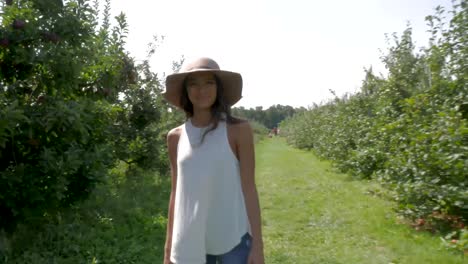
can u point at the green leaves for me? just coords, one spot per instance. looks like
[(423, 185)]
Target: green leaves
[(10, 115), (71, 106)]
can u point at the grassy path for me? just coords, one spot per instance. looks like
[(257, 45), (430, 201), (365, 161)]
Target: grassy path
[(314, 215)]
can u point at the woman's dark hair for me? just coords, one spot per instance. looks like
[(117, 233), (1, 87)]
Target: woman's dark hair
[(220, 110)]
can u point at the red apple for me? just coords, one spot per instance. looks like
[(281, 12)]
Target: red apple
[(41, 99), (19, 24), (33, 142), (51, 36), (4, 42), (107, 91)]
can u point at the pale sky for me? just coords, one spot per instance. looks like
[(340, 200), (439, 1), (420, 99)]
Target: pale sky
[(288, 52)]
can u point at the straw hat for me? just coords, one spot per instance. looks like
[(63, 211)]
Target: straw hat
[(232, 81)]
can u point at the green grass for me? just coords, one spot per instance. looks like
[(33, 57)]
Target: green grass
[(312, 214)]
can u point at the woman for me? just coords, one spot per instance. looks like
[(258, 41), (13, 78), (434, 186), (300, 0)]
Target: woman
[(214, 213)]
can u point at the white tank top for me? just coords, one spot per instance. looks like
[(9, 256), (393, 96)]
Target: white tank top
[(210, 216)]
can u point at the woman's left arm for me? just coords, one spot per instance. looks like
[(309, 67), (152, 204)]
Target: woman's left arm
[(247, 172)]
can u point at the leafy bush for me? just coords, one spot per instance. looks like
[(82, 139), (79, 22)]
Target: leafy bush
[(116, 224), (73, 103)]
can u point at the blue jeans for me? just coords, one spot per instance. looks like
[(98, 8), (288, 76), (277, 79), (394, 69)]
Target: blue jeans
[(238, 255)]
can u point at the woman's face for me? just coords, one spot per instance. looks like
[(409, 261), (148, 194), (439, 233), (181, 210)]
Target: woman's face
[(201, 89)]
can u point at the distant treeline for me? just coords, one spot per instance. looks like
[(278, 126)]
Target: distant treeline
[(270, 117)]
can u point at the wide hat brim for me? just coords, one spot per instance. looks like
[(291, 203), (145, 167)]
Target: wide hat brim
[(231, 81)]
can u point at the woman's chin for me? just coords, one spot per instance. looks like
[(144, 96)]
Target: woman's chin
[(203, 105)]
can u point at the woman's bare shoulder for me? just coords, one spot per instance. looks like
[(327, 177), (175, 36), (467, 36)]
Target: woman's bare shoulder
[(241, 127), (236, 121), (174, 134), (176, 130), (241, 123)]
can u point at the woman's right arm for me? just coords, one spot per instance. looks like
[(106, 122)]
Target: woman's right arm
[(172, 141)]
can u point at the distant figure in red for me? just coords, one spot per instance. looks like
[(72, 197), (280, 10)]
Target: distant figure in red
[(275, 131)]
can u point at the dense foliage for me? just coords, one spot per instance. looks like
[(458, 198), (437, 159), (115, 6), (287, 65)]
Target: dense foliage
[(73, 103), (122, 221), (409, 129)]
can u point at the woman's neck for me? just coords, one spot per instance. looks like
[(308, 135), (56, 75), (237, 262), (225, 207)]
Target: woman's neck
[(201, 118)]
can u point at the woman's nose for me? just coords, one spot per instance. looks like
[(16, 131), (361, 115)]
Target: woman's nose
[(202, 87)]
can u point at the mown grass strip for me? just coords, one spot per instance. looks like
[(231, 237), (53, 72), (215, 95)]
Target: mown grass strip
[(311, 214)]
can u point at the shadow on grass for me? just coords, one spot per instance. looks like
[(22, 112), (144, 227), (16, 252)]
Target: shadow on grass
[(123, 221)]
